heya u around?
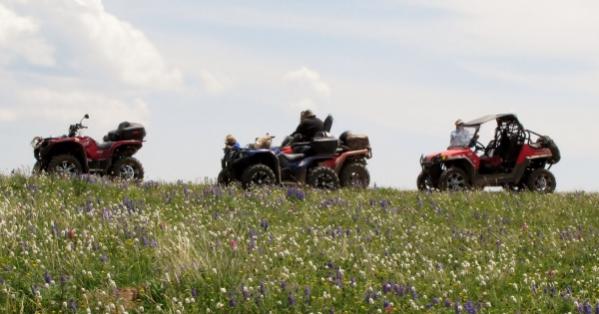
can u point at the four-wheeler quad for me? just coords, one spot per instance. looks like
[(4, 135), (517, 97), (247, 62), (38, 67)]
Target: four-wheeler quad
[(325, 163), (512, 160), (75, 154)]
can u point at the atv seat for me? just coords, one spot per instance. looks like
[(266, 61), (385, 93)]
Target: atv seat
[(104, 145), (293, 157)]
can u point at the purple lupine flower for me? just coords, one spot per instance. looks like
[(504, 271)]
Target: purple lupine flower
[(264, 224), (307, 294), (387, 288), (414, 293), (597, 308), (103, 258), (262, 289), (194, 293), (588, 308), (47, 277), (291, 299), (447, 303), (295, 194), (232, 301), (283, 285), (73, 305), (469, 307)]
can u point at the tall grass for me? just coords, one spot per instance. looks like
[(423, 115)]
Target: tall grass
[(89, 245)]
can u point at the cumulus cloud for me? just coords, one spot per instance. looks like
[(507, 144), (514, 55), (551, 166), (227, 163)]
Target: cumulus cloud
[(307, 89), (68, 106), (91, 40), (20, 38)]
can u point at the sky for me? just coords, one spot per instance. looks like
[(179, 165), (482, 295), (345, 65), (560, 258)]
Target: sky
[(400, 71)]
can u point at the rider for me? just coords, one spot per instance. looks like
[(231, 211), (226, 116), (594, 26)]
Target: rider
[(460, 137), (309, 126)]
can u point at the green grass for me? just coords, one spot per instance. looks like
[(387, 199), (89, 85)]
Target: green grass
[(74, 245)]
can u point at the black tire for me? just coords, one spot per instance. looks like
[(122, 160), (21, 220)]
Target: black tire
[(355, 175), (424, 183), (454, 180), (258, 175), (224, 178), (323, 178), (542, 181), (128, 169), (37, 169), (65, 165)]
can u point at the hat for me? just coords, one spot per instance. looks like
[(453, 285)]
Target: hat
[(459, 122), (307, 114)]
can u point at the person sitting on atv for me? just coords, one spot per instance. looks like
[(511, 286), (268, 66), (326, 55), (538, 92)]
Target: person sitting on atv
[(460, 137), (309, 127)]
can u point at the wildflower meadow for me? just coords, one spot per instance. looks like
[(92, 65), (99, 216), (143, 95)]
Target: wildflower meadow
[(88, 245)]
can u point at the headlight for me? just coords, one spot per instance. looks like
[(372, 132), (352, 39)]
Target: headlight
[(36, 142)]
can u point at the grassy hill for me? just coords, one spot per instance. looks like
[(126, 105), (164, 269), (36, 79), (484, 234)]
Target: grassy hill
[(89, 245)]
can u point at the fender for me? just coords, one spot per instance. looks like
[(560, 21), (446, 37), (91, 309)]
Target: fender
[(264, 156), (64, 146), (125, 148), (339, 162)]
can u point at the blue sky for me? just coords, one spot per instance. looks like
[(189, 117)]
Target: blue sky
[(401, 71)]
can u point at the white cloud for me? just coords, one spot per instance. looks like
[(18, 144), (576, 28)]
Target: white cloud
[(67, 107), (306, 77), (20, 38), (307, 89), (89, 39)]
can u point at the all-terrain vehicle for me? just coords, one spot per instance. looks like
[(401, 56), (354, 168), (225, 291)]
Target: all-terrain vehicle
[(324, 163), (74, 154), (516, 159)]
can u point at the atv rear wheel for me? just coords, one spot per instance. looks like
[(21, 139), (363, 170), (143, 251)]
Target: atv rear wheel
[(128, 169), (65, 165), (355, 175), (323, 178), (424, 183), (258, 175), (454, 180), (542, 181)]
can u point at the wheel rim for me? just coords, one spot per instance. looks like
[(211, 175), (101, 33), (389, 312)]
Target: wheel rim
[(456, 182), (67, 168), (261, 177), (426, 184), (542, 183), (325, 181), (127, 172), (357, 180)]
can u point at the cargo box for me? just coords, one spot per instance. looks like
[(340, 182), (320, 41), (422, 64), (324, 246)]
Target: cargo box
[(127, 131), (355, 141), (324, 146)]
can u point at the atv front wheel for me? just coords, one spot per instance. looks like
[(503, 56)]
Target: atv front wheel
[(323, 178), (65, 165), (128, 169), (258, 175), (355, 175), (224, 178), (424, 183), (541, 181), (454, 180), (37, 169)]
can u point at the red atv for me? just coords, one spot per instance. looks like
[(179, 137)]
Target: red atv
[(75, 154), (512, 160)]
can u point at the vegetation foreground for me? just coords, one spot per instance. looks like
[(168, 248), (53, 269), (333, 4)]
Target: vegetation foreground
[(87, 245)]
